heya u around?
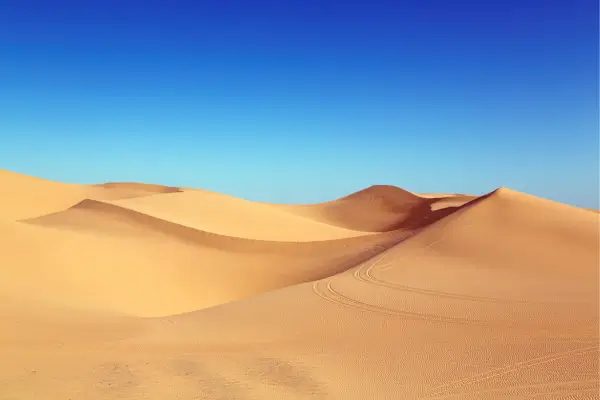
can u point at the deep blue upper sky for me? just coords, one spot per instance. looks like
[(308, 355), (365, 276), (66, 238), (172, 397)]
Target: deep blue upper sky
[(304, 100)]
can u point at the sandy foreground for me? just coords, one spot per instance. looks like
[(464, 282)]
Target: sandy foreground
[(135, 291)]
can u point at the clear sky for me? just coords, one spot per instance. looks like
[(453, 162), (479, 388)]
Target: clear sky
[(304, 100)]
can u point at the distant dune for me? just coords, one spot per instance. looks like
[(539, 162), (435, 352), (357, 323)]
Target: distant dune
[(27, 197), (378, 208), (141, 291), (138, 187)]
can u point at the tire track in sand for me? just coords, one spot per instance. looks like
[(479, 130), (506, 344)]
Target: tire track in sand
[(592, 385), (494, 373)]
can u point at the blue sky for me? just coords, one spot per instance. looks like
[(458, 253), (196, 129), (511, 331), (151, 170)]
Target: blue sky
[(302, 100)]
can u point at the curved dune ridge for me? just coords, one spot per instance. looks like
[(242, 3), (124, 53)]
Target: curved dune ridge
[(127, 290), (231, 216)]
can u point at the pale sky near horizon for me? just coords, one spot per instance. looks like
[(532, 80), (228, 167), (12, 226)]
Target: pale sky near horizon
[(304, 101)]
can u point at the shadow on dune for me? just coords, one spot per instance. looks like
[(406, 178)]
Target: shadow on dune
[(379, 208), (422, 216)]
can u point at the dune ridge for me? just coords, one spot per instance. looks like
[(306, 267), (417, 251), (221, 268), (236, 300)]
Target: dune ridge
[(236, 217), (98, 216)]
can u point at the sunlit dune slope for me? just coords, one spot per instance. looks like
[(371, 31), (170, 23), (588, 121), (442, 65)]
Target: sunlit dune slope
[(103, 256), (498, 300), (378, 208), (231, 216), (25, 196)]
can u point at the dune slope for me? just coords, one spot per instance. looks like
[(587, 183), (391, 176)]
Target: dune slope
[(25, 196)]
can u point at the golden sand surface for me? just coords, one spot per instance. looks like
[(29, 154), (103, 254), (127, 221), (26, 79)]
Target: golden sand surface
[(139, 291)]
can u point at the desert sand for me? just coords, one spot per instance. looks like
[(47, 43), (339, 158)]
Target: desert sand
[(139, 291)]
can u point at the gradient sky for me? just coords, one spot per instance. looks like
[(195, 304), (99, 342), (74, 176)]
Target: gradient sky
[(303, 100)]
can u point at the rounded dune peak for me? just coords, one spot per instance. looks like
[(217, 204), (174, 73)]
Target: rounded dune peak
[(505, 191), (383, 190), (378, 208), (386, 195)]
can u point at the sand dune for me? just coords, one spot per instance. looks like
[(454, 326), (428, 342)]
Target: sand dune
[(230, 216), (498, 300), (25, 196), (378, 208), (134, 291)]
